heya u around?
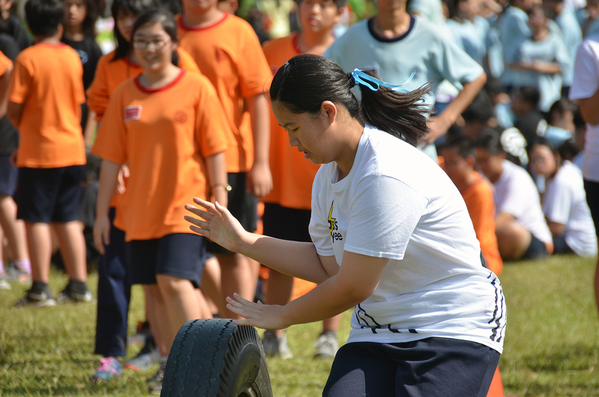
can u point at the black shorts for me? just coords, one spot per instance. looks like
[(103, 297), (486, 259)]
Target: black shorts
[(242, 205), (8, 177), (536, 250), (180, 255), (592, 191), (430, 367), (286, 223), (47, 195)]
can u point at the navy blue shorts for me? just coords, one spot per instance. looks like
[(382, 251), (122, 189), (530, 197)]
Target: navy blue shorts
[(429, 367), (592, 191), (8, 177), (47, 195), (180, 255), (536, 250), (286, 223), (242, 205)]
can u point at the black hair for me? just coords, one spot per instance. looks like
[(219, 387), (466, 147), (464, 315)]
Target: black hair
[(339, 3), (568, 150), (163, 17), (174, 6), (306, 81), (91, 16), (44, 16), (489, 140), (481, 109), (134, 7), (530, 94), (493, 86), (541, 140), (562, 105), (464, 146)]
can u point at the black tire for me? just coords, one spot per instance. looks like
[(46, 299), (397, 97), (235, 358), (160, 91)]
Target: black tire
[(216, 358)]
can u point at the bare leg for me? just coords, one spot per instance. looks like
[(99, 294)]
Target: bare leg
[(39, 243), (14, 229), (72, 248), (331, 324), (154, 309), (180, 302), (237, 277), (205, 310), (597, 284), (513, 240), (211, 284)]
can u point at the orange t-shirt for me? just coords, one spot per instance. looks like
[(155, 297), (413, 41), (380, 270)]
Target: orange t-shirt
[(164, 135), (229, 54), (47, 79), (109, 74), (292, 174), (5, 64), (481, 207)]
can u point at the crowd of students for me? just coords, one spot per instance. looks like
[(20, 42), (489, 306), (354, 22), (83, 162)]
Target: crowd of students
[(178, 110)]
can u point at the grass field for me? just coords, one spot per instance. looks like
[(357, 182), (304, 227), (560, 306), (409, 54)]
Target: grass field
[(552, 341)]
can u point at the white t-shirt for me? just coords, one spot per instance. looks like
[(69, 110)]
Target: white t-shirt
[(396, 203), (584, 85), (565, 202), (517, 194)]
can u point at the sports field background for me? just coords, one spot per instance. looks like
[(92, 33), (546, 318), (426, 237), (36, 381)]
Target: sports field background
[(552, 340)]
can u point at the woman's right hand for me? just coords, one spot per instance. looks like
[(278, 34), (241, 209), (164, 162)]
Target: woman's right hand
[(216, 223), (101, 232)]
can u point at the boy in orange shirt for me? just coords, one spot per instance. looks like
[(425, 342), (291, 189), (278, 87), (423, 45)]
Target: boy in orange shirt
[(287, 208), (228, 53), (51, 152), (459, 155)]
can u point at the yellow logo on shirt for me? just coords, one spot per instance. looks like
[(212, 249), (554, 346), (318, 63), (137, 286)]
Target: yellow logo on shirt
[(333, 227)]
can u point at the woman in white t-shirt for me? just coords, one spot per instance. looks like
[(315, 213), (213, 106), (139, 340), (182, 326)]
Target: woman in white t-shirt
[(391, 237), (564, 201)]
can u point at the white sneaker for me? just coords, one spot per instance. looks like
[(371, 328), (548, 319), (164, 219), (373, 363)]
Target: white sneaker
[(4, 284), (326, 345), (276, 346)]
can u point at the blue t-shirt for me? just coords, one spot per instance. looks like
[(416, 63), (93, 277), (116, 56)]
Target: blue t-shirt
[(514, 30), (552, 49), (471, 36), (422, 50), (572, 36)]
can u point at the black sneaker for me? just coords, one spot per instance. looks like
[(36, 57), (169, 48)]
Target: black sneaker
[(69, 294), (37, 299)]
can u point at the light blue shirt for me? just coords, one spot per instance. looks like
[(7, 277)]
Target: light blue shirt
[(552, 49), (422, 50), (514, 30), (572, 36), (471, 37)]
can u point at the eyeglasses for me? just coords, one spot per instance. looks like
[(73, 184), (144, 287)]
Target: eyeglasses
[(155, 44)]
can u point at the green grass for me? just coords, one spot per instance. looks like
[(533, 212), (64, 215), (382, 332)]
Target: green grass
[(552, 341)]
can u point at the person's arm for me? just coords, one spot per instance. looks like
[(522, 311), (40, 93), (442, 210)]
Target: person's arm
[(355, 281), (4, 80), (588, 108), (13, 112), (502, 219), (90, 128), (259, 177), (108, 182), (297, 259), (557, 229), (216, 170), (439, 125)]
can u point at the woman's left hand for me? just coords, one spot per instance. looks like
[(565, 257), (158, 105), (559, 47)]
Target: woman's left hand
[(257, 314)]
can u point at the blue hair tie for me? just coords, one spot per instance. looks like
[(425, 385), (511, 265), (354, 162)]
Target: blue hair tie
[(374, 84), (286, 63)]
